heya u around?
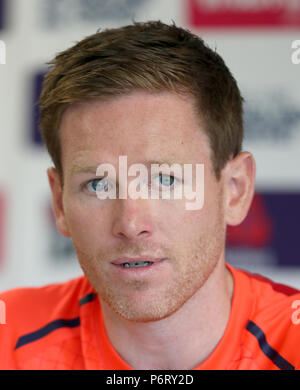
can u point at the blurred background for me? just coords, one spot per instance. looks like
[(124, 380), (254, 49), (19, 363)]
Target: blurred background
[(255, 39)]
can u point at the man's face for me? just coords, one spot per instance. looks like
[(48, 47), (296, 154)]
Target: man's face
[(144, 127)]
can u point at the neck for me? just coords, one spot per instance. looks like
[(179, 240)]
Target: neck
[(184, 339)]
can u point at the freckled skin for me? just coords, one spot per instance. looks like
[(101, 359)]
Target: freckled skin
[(141, 126)]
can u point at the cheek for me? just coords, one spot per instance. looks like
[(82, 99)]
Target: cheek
[(197, 224), (85, 225)]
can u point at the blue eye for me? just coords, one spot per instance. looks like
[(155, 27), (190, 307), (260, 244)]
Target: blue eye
[(97, 185), (167, 180), (101, 184)]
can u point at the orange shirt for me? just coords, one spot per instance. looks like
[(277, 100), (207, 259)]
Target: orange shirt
[(60, 326)]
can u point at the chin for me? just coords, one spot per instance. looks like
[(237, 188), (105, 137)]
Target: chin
[(142, 311)]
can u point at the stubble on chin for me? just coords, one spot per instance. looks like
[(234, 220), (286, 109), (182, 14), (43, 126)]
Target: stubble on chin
[(189, 274)]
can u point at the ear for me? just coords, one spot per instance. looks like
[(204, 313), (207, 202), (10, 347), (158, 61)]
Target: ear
[(57, 201), (239, 178)]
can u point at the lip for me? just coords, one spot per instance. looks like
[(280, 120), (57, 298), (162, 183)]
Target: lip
[(138, 272), (125, 259)]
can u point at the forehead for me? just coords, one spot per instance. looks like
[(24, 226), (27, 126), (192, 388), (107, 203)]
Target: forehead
[(140, 125)]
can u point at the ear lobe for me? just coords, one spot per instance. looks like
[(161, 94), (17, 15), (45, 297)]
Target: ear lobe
[(239, 182), (57, 201)]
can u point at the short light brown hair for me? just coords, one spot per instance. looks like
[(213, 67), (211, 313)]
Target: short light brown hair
[(151, 56)]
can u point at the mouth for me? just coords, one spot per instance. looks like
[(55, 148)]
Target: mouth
[(136, 262)]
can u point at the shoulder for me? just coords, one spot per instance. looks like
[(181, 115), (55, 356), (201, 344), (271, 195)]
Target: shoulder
[(44, 300), (28, 310), (274, 323), (272, 299)]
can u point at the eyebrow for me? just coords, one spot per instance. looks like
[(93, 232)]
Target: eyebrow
[(77, 169)]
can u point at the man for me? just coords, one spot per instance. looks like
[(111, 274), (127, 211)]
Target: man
[(156, 292)]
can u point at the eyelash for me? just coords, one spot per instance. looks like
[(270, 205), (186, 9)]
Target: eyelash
[(85, 184)]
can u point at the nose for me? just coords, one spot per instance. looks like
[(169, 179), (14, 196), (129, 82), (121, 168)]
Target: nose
[(132, 219)]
